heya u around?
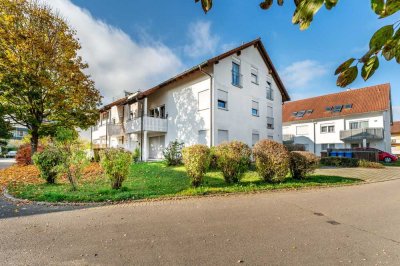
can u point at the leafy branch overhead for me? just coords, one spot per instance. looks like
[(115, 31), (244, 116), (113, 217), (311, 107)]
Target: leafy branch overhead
[(385, 41)]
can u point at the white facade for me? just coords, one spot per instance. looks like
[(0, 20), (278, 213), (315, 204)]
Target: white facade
[(240, 109), (319, 134)]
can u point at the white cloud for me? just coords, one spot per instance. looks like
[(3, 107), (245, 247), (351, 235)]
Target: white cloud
[(302, 73), (116, 61), (202, 41)]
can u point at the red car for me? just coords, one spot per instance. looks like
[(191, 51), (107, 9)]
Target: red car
[(383, 156)]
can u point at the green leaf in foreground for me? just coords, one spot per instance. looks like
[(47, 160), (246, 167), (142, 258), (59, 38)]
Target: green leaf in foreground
[(369, 67), (347, 77), (344, 66)]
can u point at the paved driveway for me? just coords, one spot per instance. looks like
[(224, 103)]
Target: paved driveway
[(357, 225), (366, 174)]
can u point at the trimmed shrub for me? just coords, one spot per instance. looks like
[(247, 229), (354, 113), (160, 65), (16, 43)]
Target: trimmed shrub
[(368, 164), (173, 153), (213, 158), (96, 155), (196, 159), (136, 155), (233, 158), (295, 147), (271, 160), (48, 161), (23, 156), (302, 163), (116, 163), (339, 161)]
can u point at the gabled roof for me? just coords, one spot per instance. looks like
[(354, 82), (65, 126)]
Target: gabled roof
[(395, 129), (364, 100), (256, 43)]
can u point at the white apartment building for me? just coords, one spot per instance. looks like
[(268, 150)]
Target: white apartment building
[(237, 95), (349, 119)]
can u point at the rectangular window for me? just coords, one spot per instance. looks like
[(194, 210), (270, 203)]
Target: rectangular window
[(223, 136), (255, 137), (222, 99), (254, 108), (270, 137), (359, 124), (327, 146), (270, 92), (270, 123), (202, 137), (254, 75), (204, 100), (327, 128), (302, 130), (236, 76)]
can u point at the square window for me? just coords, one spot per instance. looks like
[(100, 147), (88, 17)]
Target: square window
[(254, 108), (221, 104)]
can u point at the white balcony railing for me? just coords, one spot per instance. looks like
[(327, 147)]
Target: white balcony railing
[(149, 124), (115, 129), (361, 133)]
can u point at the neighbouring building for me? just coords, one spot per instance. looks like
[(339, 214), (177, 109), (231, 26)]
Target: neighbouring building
[(395, 130), (237, 95), (348, 119)]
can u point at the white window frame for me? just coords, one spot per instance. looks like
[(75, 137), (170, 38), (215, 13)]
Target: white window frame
[(327, 127), (257, 105), (254, 73), (269, 90), (222, 99), (203, 105)]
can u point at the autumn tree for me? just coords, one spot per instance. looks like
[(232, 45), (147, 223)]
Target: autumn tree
[(42, 79), (5, 128), (384, 42)]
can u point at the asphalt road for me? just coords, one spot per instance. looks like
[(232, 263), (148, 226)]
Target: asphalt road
[(357, 225)]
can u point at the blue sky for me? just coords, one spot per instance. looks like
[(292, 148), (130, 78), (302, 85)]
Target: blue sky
[(132, 45)]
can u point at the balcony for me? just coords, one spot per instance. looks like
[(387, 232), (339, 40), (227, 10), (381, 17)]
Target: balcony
[(153, 124), (115, 130), (361, 133), (288, 139)]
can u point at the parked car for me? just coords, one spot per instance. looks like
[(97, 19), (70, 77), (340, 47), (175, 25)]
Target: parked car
[(11, 154), (383, 156)]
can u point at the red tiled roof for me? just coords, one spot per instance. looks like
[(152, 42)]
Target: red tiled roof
[(364, 100), (395, 129), (257, 43)]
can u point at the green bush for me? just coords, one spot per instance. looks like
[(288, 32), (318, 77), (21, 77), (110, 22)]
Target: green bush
[(213, 159), (96, 155), (136, 155), (48, 161), (116, 164), (302, 163), (173, 153), (339, 161), (272, 160), (196, 159), (368, 164), (233, 158)]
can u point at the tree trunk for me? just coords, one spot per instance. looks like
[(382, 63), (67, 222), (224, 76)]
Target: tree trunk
[(34, 140)]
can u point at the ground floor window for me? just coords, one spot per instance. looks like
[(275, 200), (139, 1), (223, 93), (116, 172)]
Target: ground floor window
[(255, 137), (325, 147), (223, 136)]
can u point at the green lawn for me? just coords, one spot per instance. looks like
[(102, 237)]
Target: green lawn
[(396, 163), (152, 180)]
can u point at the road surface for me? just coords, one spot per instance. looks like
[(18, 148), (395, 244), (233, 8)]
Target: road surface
[(356, 225)]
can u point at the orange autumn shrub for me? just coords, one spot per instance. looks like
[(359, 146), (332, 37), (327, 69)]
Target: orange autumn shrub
[(17, 174), (23, 156)]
